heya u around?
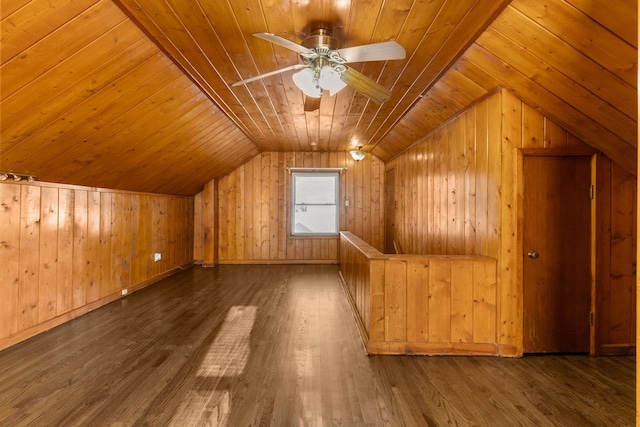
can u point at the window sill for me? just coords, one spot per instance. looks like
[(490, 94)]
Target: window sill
[(314, 236)]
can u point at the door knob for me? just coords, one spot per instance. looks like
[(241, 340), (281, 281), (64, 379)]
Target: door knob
[(533, 254)]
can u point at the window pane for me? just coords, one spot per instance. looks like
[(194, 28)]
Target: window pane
[(315, 219), (315, 190)]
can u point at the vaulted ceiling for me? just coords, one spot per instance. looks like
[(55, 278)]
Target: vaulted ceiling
[(138, 95)]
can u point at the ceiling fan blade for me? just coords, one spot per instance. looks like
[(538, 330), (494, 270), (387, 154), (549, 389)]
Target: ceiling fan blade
[(272, 73), (365, 85), (283, 42), (311, 103), (373, 52)]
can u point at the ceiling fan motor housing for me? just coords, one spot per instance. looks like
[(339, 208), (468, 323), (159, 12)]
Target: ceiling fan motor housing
[(321, 37)]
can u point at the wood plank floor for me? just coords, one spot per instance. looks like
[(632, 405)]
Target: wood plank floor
[(277, 346)]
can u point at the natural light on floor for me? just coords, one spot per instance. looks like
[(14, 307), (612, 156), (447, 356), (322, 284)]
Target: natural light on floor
[(229, 352), (227, 357)]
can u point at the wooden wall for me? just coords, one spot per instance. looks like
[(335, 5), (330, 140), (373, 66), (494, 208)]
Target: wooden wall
[(253, 208), (459, 192), (205, 230), (420, 304), (616, 246), (448, 187), (67, 250)]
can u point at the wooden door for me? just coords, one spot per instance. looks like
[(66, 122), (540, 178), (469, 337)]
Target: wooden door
[(557, 278), (390, 210)]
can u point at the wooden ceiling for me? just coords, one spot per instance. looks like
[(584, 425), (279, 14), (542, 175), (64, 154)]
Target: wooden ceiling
[(137, 95)]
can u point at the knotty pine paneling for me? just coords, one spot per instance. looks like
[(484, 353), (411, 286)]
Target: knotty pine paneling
[(444, 183), (254, 200), (616, 246), (420, 304), (67, 250), (362, 270), (458, 192)]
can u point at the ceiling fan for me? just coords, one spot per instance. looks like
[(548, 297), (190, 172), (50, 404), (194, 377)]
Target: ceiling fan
[(324, 66)]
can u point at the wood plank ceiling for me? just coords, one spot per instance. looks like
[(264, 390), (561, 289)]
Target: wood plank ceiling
[(137, 95)]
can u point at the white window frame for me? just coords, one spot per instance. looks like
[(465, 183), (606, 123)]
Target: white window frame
[(292, 213)]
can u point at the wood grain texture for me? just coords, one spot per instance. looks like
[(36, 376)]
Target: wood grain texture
[(70, 249), (137, 94), (254, 203), (432, 183), (420, 304), (615, 242), (204, 347)]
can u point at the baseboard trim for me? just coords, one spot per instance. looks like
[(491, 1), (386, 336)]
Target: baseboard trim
[(279, 261)]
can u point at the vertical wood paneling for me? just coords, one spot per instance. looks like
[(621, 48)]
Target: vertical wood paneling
[(10, 251), (421, 304), (395, 300), (256, 211), (510, 296), (265, 187), (29, 261), (439, 302), (198, 234), (462, 287), (474, 160), (230, 220), (80, 224), (247, 191), (376, 301), (161, 219), (48, 253), (64, 281), (258, 196), (469, 229), (238, 212), (482, 178), (554, 135), (105, 244), (209, 223), (616, 236), (484, 302), (223, 217), (532, 128), (93, 247), (418, 301), (71, 249), (136, 250), (376, 196), (274, 217), (456, 210), (283, 203), (623, 243), (116, 239), (495, 110)]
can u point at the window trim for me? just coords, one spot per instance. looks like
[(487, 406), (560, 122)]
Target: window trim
[(314, 172)]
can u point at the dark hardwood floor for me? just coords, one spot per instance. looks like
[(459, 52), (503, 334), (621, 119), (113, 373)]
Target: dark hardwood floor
[(278, 346)]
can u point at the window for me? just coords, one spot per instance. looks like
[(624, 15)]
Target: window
[(314, 203)]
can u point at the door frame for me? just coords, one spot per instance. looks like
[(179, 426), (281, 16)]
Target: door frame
[(557, 152)]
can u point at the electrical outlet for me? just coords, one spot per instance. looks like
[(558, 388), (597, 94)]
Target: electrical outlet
[(157, 256), (125, 291)]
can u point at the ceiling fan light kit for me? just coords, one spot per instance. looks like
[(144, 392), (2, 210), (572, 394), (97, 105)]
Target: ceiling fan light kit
[(330, 80), (312, 82), (307, 83)]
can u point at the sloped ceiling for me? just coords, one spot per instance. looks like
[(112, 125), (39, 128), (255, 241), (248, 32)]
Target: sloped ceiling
[(137, 95)]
